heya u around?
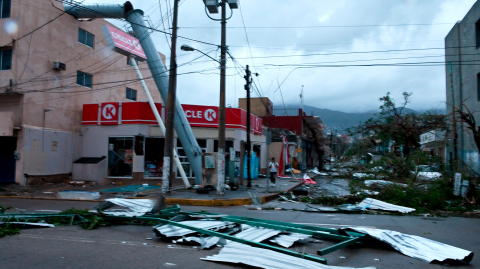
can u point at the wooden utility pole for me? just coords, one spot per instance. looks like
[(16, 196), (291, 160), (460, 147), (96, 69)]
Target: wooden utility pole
[(249, 143), (172, 96)]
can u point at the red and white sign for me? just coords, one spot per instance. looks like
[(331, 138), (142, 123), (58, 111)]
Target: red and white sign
[(109, 113), (124, 43), (201, 116), (141, 113)]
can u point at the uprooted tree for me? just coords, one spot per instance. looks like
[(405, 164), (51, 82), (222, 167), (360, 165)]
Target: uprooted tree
[(396, 124)]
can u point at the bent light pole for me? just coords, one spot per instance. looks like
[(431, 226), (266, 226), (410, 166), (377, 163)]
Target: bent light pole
[(158, 70)]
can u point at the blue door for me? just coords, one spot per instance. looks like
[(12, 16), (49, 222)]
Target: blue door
[(8, 146)]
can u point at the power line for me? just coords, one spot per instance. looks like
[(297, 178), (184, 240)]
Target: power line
[(248, 42), (323, 26), (352, 52)]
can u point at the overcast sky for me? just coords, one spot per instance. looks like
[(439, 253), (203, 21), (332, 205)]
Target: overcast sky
[(297, 29)]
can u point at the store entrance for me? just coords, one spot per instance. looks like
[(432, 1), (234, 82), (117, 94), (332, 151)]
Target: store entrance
[(154, 148), (8, 145)]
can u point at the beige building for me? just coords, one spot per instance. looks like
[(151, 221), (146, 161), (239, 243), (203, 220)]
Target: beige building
[(40, 103), (57, 75)]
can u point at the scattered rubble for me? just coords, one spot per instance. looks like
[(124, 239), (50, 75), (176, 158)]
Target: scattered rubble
[(242, 237)]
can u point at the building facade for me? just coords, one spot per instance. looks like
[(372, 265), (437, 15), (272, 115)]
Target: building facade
[(463, 82), (54, 69)]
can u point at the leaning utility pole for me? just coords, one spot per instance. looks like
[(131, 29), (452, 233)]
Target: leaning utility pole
[(249, 143), (172, 96)]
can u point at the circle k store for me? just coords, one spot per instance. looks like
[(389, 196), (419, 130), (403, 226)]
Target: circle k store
[(111, 130)]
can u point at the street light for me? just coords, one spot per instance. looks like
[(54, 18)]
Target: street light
[(188, 48), (212, 7)]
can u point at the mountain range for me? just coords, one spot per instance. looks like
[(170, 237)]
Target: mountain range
[(337, 121)]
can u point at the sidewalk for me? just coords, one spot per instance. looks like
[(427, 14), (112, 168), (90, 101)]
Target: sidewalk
[(241, 196)]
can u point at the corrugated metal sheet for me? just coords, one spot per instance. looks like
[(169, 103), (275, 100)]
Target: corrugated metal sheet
[(263, 258), (137, 205), (169, 230), (417, 247), (287, 240), (371, 203), (205, 242), (257, 234)]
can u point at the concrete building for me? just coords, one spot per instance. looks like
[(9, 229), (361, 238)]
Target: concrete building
[(55, 70), (463, 81)]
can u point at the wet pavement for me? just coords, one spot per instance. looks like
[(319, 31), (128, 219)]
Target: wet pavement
[(333, 186)]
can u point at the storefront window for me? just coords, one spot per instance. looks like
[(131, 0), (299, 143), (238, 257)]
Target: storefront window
[(120, 156), (202, 143)]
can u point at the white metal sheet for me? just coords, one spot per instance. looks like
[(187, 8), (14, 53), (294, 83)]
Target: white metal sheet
[(417, 247), (264, 258), (370, 203), (169, 230), (287, 240)]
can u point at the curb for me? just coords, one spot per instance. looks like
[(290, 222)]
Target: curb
[(182, 201)]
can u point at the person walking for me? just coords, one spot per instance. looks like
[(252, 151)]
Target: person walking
[(273, 171)]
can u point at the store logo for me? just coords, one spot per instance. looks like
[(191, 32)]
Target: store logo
[(109, 111), (210, 114)]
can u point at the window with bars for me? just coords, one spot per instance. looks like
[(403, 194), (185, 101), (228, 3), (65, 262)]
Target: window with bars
[(5, 60), (5, 6), (84, 79), (85, 37), (131, 94)]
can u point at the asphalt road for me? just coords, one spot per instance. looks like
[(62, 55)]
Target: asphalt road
[(127, 246)]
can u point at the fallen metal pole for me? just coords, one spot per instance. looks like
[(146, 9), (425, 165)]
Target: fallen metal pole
[(159, 119), (142, 32), (240, 240)]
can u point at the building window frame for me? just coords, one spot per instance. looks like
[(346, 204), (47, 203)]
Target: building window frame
[(6, 59), (5, 9), (131, 94), (86, 38), (478, 87), (183, 157), (84, 79)]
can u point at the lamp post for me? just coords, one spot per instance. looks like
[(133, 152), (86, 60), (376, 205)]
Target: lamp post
[(212, 7), (43, 131), (188, 48)]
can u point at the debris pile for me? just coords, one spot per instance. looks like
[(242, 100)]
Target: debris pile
[(256, 242)]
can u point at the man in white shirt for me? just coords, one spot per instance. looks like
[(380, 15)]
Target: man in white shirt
[(273, 171)]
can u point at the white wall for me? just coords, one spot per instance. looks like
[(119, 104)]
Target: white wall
[(39, 157)]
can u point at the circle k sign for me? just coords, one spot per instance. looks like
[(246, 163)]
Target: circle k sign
[(109, 113), (210, 114)]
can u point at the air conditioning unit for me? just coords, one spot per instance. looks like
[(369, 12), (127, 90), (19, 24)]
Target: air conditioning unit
[(59, 66)]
